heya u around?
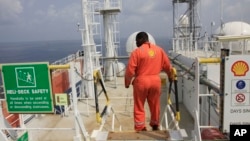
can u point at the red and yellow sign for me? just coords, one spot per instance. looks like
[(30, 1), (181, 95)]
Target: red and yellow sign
[(240, 68)]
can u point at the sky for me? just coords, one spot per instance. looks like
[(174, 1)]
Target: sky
[(41, 20)]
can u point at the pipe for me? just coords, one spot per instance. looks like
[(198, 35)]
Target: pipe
[(67, 66), (232, 38), (209, 60), (203, 80)]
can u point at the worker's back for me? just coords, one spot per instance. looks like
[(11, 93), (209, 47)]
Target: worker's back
[(149, 59)]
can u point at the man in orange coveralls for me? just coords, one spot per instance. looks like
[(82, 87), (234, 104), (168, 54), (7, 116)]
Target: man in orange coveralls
[(144, 65)]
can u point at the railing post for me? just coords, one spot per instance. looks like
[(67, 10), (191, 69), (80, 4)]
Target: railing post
[(224, 53)]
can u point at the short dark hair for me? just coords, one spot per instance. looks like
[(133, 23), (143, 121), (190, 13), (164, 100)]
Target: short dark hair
[(142, 36)]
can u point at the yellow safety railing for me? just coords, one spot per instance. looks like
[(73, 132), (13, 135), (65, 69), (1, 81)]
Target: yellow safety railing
[(66, 66), (209, 60), (97, 76), (173, 78)]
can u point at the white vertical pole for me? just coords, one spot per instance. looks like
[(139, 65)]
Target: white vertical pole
[(197, 82), (113, 122), (87, 43), (21, 119), (109, 43), (2, 135), (77, 137), (197, 93)]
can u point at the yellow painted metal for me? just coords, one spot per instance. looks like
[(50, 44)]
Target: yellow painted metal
[(209, 60), (178, 116), (97, 76), (174, 73), (67, 66), (98, 118), (169, 100)]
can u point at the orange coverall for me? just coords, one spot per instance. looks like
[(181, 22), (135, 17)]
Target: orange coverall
[(144, 65)]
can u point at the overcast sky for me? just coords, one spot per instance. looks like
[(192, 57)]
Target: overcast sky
[(39, 20)]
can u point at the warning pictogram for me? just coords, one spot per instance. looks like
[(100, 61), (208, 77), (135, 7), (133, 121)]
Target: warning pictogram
[(240, 98)]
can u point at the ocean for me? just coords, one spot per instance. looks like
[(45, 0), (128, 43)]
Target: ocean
[(50, 51), (37, 51)]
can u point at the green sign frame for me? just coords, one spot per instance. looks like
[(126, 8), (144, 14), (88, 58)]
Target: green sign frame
[(24, 137), (27, 87)]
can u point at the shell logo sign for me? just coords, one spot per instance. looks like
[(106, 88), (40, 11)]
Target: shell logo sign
[(240, 68), (151, 53)]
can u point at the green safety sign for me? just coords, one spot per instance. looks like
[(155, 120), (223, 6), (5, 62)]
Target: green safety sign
[(27, 87), (24, 137)]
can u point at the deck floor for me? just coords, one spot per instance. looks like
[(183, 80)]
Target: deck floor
[(144, 135), (122, 104)]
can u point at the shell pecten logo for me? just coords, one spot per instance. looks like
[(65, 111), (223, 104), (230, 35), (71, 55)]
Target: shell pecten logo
[(240, 68), (151, 53)]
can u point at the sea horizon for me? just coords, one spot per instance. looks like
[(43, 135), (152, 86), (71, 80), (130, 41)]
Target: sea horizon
[(53, 50)]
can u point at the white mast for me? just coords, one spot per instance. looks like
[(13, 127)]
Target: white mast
[(110, 10), (91, 57)]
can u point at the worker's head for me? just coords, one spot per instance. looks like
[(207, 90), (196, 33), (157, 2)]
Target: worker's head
[(141, 38)]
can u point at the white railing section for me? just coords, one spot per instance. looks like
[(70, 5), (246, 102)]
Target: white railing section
[(195, 48), (197, 110), (211, 48), (172, 123), (116, 4), (66, 60)]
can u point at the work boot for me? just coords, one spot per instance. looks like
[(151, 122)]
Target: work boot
[(144, 129), (155, 127)]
